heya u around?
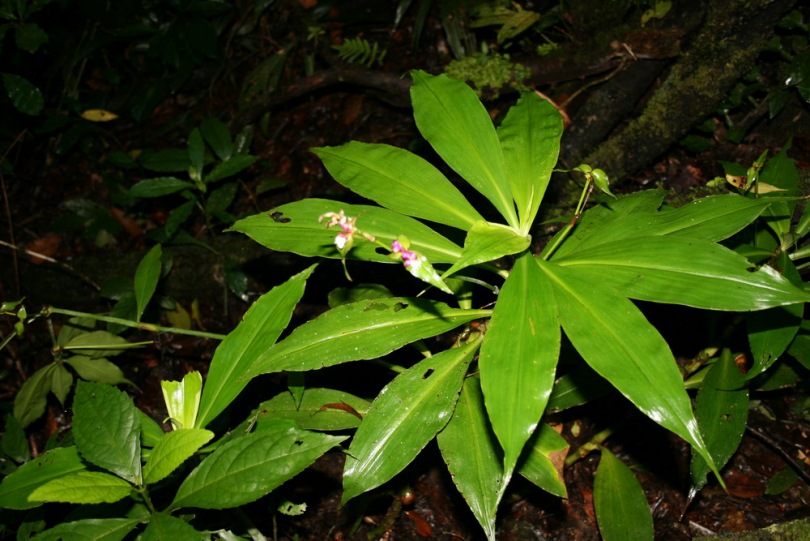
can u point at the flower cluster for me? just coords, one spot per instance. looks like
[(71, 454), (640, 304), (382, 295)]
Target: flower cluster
[(345, 239)]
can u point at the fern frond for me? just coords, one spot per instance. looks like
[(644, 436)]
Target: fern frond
[(360, 51)]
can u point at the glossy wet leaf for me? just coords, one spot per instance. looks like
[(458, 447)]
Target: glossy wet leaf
[(146, 279), (543, 460), (359, 331), (403, 418), (83, 487), (106, 427), (245, 469), (182, 399), (622, 511), (294, 227), (473, 456), (422, 191), (91, 529), (18, 485), (519, 357), (454, 121), (597, 321), (320, 409), (172, 450), (722, 413), (530, 138), (486, 242), (260, 328)]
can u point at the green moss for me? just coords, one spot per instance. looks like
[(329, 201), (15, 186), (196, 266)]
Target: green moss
[(489, 71)]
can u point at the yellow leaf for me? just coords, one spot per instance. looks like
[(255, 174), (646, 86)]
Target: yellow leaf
[(98, 115)]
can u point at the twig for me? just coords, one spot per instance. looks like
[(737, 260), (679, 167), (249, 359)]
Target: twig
[(7, 208), (44, 257), (775, 447)]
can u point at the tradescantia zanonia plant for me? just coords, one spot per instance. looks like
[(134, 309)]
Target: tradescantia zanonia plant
[(484, 399)]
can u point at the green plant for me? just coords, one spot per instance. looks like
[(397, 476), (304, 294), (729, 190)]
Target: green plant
[(495, 384), (360, 51), (493, 71)]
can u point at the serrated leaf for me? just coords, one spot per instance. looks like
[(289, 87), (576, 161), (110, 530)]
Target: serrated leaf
[(405, 416), (596, 320), (452, 119), (621, 509), (24, 96), (359, 331), (320, 409), (230, 167), (172, 450), (519, 357), (422, 191), (543, 459), (473, 456), (245, 469), (218, 136), (106, 427), (158, 187), (91, 529), (260, 328), (162, 527), (30, 402), (83, 487), (487, 242), (100, 370), (530, 139), (294, 227), (722, 413), (17, 486), (146, 278)]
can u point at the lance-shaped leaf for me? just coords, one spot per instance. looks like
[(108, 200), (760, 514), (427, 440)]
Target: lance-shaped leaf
[(361, 330), (259, 329), (722, 413), (319, 409), (406, 415), (454, 121), (106, 427), (172, 450), (622, 511), (91, 529), (245, 469), (18, 485), (519, 356), (294, 228), (146, 278), (398, 180), (83, 487), (473, 456), (530, 138), (487, 242), (685, 271), (618, 342), (543, 459)]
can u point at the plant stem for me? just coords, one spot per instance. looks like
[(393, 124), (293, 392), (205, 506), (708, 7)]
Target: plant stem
[(583, 199), (134, 324), (595, 442)]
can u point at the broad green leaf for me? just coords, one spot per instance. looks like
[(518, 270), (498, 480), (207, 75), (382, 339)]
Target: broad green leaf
[(359, 331), (578, 386), (258, 331), (771, 331), (83, 487), (106, 428), (13, 442), (245, 469), (519, 356), (172, 450), (91, 529), (196, 155), (162, 527), (158, 187), (722, 413), (622, 511), (781, 172), (24, 96), (30, 402), (17, 486), (98, 344), (74, 327), (216, 134), (454, 121), (359, 292), (405, 416), (473, 456), (146, 279), (29, 36), (487, 242), (230, 167), (221, 198), (530, 139), (684, 271), (543, 459), (398, 180), (320, 409), (182, 399), (638, 363), (294, 228), (61, 382), (100, 370), (151, 433)]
